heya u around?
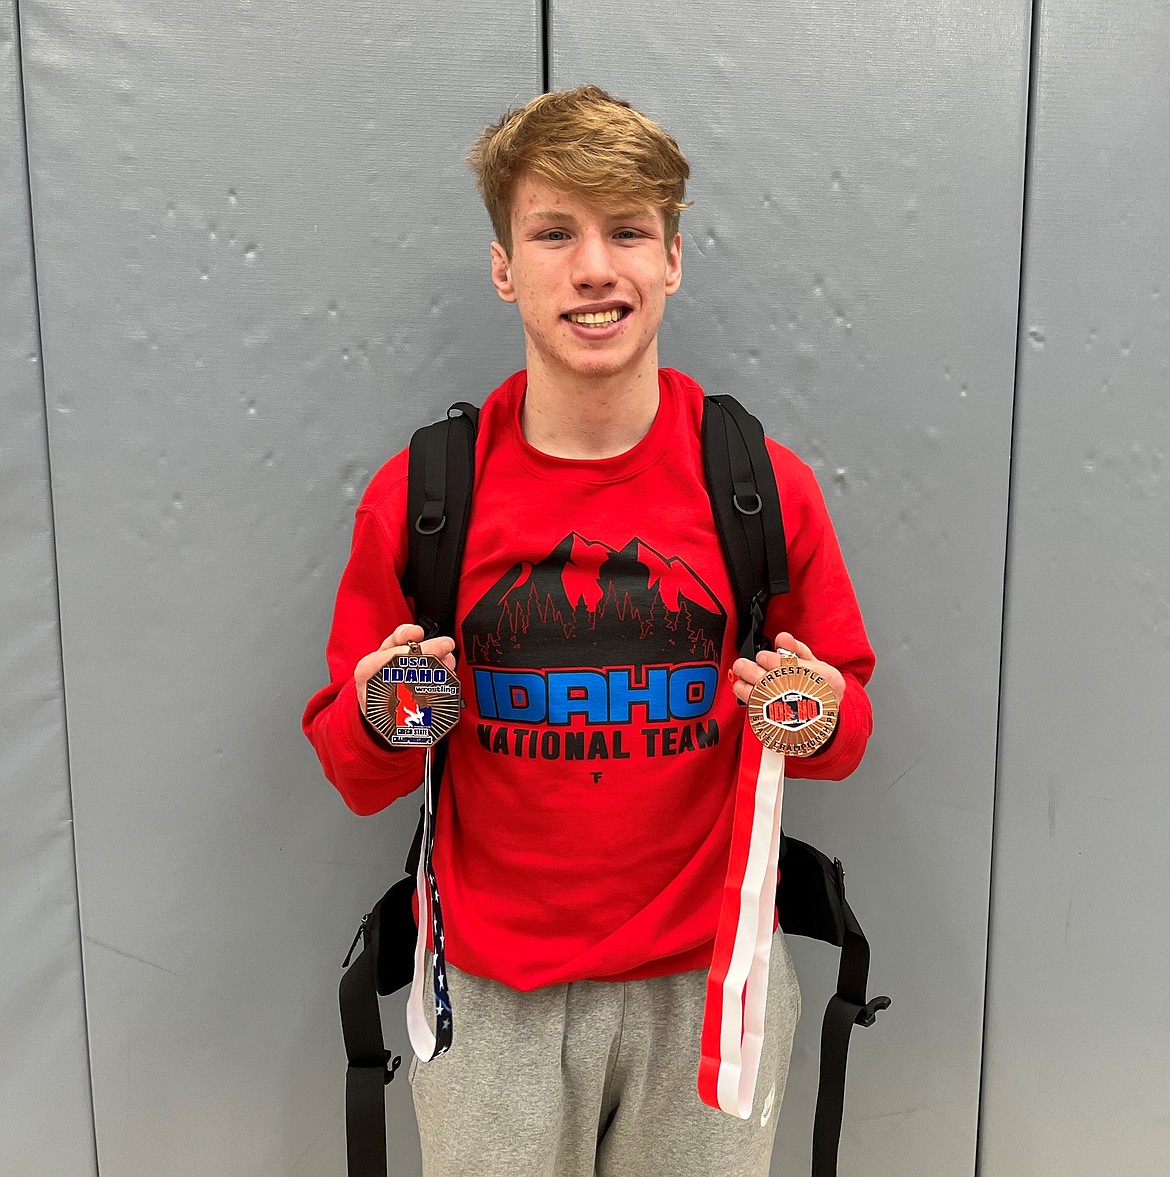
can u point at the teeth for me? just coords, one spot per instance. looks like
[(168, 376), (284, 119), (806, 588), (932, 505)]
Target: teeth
[(596, 317)]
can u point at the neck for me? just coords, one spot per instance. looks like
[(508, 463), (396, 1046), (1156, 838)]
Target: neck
[(572, 416)]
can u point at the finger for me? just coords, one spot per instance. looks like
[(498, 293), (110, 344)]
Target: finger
[(770, 659), (785, 641), (438, 647), (406, 632), (745, 670)]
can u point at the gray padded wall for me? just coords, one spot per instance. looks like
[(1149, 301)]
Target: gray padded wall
[(850, 268), (261, 263), (1077, 1070), (46, 1125)]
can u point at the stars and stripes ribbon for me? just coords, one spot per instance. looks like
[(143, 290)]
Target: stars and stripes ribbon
[(737, 982), (429, 1044)]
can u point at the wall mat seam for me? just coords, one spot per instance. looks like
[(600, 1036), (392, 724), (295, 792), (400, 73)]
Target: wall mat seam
[(36, 310), (1025, 209)]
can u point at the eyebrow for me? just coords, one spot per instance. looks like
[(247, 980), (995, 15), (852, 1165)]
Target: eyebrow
[(548, 214)]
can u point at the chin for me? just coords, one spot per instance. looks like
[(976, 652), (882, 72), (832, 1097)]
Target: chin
[(605, 365), (602, 369)]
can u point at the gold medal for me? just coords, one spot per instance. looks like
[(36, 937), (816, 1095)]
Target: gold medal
[(413, 700), (792, 709)]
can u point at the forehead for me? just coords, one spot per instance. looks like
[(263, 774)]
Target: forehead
[(535, 201)]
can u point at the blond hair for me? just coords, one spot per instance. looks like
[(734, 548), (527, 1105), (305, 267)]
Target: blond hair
[(584, 141)]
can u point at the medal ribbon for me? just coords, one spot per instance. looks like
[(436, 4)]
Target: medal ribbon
[(737, 982), (427, 1044)]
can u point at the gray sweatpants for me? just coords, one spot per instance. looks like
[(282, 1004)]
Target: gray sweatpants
[(594, 1079)]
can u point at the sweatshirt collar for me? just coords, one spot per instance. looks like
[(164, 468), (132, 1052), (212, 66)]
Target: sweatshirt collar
[(596, 470)]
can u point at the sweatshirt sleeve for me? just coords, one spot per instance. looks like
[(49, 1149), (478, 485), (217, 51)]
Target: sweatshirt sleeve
[(821, 610), (367, 773)]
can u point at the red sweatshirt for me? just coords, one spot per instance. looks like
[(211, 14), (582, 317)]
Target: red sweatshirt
[(585, 818)]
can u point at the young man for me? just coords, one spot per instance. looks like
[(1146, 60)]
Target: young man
[(583, 834)]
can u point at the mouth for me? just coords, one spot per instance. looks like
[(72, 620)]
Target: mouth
[(598, 321)]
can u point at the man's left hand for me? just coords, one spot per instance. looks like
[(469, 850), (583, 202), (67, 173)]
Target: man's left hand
[(747, 673)]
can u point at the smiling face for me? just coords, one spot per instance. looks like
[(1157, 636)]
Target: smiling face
[(570, 259)]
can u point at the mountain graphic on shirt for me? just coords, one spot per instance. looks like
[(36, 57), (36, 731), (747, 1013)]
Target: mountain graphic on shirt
[(588, 604)]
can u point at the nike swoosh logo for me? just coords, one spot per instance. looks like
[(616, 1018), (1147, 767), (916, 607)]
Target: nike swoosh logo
[(766, 1115)]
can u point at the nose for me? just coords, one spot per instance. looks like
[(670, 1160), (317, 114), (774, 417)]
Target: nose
[(592, 262)]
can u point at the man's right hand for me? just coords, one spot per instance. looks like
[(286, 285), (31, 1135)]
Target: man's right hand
[(394, 645)]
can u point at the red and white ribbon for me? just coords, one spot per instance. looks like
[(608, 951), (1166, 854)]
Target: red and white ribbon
[(737, 982)]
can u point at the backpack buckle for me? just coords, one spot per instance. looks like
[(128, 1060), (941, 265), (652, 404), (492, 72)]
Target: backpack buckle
[(868, 1012), (362, 933)]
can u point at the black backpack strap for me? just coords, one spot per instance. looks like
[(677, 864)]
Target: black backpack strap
[(388, 935), (441, 474), (811, 902), (746, 504), (440, 479)]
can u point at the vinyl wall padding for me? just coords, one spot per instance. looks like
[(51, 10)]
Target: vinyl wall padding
[(1077, 1068), (850, 271), (261, 261), (46, 1118)]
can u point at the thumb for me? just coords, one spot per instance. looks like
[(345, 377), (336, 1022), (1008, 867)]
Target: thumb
[(785, 641)]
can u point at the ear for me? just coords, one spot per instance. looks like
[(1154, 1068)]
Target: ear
[(674, 265), (502, 273)]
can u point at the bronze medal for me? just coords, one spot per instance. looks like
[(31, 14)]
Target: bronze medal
[(792, 709), (413, 700)]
